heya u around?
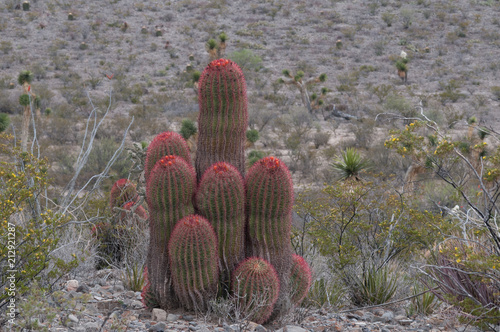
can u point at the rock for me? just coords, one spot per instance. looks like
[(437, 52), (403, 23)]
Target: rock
[(231, 328), (353, 316), (73, 318), (405, 322), (118, 288), (136, 304), (159, 315), (83, 288), (254, 327), (91, 327), (368, 316), (188, 318), (159, 327), (172, 318), (71, 285), (293, 328), (387, 317)]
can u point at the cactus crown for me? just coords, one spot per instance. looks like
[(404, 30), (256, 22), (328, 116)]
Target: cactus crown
[(270, 163)]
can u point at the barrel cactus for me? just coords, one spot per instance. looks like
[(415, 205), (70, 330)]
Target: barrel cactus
[(169, 193), (269, 192), (300, 279), (192, 251), (223, 117), (164, 144), (220, 198), (255, 286)]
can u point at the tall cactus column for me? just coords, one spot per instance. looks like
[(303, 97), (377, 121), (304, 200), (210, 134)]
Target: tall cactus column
[(221, 199), (269, 192), (223, 118), (169, 193)]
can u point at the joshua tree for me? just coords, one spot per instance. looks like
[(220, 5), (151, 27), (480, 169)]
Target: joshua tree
[(311, 102)]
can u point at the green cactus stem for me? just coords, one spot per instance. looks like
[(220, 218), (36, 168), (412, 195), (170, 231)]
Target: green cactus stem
[(164, 144), (221, 199), (169, 192), (255, 286), (193, 255), (300, 279), (223, 117)]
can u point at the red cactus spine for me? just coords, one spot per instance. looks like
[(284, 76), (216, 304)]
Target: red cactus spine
[(300, 279), (193, 256), (223, 118), (221, 199), (123, 191), (269, 194), (169, 193), (164, 144), (255, 285)]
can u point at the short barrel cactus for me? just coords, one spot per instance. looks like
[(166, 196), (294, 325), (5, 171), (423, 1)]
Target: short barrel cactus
[(300, 279), (255, 286)]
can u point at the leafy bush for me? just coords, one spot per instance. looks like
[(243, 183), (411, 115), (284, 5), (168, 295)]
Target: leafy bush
[(361, 225), (255, 156), (247, 60), (4, 122), (252, 135), (32, 232), (188, 128)]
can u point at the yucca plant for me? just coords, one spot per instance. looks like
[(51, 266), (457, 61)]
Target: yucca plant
[(423, 304), (350, 164), (376, 286)]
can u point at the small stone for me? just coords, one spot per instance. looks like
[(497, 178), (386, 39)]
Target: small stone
[(73, 318), (159, 327), (368, 316), (159, 315), (71, 285), (388, 316), (130, 294), (293, 328), (172, 318), (83, 288), (136, 304), (188, 318), (353, 316), (405, 322), (91, 327), (118, 288)]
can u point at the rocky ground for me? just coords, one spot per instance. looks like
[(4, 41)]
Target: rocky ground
[(103, 304)]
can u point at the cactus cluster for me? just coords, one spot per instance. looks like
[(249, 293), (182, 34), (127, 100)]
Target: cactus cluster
[(204, 222)]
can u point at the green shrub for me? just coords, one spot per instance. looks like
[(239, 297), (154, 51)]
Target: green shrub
[(4, 122), (24, 100), (247, 60), (188, 128), (388, 18), (30, 230), (376, 286), (255, 156), (25, 76), (252, 135)]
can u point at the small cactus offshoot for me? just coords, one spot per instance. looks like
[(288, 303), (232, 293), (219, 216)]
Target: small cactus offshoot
[(255, 286), (300, 279)]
